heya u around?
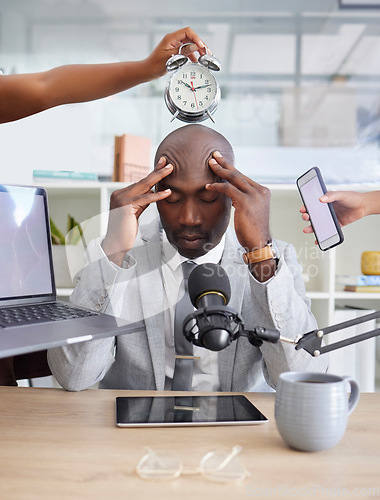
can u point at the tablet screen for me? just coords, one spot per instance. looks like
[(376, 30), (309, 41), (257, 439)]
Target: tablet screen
[(186, 410)]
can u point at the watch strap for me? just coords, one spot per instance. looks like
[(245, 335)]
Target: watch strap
[(260, 254)]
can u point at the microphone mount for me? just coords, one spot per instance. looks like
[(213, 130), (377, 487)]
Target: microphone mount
[(225, 325), (205, 321)]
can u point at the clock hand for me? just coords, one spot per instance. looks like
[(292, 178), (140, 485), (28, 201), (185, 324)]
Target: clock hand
[(187, 85), (195, 97), (203, 86)]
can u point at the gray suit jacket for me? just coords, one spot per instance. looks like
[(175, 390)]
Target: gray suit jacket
[(137, 360)]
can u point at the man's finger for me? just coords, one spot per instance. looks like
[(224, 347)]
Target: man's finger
[(161, 163), (124, 196), (156, 176), (141, 203), (151, 197), (225, 188), (234, 177), (223, 162)]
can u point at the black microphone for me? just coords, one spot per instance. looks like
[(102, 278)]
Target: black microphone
[(209, 286), (215, 324)]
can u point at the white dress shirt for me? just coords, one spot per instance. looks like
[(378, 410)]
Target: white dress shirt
[(205, 373)]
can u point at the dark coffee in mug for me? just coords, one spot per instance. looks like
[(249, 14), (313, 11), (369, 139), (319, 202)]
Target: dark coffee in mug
[(313, 382)]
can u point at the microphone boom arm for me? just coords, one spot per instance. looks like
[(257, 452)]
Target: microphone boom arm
[(312, 342)]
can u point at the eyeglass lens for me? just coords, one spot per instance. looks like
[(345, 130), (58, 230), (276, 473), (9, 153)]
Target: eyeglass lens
[(215, 466)]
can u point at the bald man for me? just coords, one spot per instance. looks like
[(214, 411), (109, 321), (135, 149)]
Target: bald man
[(135, 272)]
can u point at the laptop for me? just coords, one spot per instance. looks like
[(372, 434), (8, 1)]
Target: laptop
[(31, 316)]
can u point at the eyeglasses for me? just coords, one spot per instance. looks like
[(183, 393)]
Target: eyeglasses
[(215, 466)]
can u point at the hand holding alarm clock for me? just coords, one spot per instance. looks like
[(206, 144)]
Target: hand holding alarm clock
[(192, 93)]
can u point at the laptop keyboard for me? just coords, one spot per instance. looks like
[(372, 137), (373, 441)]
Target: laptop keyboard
[(40, 313)]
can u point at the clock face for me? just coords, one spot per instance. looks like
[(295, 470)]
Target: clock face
[(192, 90)]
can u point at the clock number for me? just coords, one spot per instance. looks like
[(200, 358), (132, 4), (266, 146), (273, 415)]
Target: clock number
[(207, 81), (184, 76), (200, 103), (206, 98), (192, 73), (192, 105), (184, 103), (209, 89), (179, 97), (176, 89)]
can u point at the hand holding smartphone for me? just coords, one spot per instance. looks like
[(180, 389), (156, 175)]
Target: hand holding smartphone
[(323, 219)]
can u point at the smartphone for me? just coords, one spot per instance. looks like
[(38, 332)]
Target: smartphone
[(323, 219)]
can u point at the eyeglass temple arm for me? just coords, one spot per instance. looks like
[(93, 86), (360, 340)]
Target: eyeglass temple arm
[(235, 451), (311, 342)]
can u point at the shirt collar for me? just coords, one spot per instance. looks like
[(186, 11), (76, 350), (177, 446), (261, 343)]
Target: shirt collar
[(174, 259)]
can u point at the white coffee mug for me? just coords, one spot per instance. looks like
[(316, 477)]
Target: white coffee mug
[(312, 409)]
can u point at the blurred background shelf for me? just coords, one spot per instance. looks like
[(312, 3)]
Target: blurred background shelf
[(88, 203)]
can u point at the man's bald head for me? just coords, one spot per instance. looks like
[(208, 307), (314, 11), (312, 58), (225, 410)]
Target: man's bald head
[(193, 217), (195, 140)]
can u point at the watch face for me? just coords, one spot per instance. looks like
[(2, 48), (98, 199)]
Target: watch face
[(192, 90)]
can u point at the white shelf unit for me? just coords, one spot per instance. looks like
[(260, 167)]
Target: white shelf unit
[(88, 200), (320, 268)]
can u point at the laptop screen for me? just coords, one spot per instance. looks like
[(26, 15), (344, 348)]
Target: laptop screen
[(25, 249)]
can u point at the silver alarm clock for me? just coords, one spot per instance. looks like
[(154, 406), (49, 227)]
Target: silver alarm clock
[(192, 93)]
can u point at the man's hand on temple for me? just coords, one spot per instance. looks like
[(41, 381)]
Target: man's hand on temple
[(126, 206), (250, 200), (252, 204)]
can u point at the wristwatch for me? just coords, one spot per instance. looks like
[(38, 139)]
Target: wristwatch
[(265, 253)]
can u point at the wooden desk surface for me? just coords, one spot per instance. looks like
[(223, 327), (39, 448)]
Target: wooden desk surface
[(55, 444)]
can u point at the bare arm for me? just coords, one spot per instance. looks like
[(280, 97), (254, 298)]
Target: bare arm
[(26, 94), (371, 201)]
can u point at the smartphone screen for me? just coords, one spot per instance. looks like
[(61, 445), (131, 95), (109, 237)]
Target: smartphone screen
[(322, 215)]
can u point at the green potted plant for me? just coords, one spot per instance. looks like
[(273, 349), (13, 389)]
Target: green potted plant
[(67, 252)]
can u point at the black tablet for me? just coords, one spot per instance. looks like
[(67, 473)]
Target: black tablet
[(186, 410)]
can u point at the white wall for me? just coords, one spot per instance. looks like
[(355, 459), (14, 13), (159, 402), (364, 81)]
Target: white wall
[(80, 137)]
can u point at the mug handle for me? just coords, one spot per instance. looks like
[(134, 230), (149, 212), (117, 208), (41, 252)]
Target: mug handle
[(354, 395)]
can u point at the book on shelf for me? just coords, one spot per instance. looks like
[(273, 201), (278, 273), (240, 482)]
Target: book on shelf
[(65, 175), (362, 288), (358, 280), (131, 158)]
